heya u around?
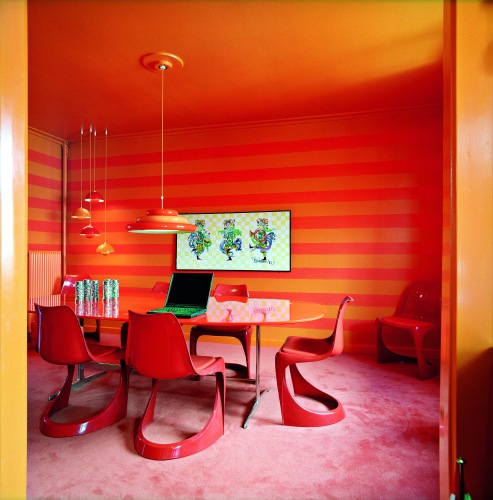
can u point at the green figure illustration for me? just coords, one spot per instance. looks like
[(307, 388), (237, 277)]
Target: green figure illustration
[(200, 240), (231, 238), (262, 238)]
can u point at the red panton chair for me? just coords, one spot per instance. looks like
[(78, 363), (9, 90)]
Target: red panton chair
[(241, 332), (305, 350), (61, 342), (156, 348), (419, 316), (68, 288), (160, 287)]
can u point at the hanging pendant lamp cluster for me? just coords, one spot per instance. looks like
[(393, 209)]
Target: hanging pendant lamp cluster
[(161, 220), (93, 197)]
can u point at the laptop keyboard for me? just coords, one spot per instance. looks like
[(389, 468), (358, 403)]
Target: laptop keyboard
[(183, 311)]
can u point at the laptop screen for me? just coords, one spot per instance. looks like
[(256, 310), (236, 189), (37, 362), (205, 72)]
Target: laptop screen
[(191, 289)]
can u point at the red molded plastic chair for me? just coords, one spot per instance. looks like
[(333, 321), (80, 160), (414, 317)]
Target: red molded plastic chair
[(419, 316), (61, 342), (160, 287), (157, 349), (304, 350), (241, 332), (68, 288)]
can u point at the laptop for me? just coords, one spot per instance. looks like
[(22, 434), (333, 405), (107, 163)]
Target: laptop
[(188, 294)]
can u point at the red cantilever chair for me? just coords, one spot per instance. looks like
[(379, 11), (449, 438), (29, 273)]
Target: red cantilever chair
[(419, 316), (241, 332), (61, 342), (304, 350), (156, 348), (68, 288)]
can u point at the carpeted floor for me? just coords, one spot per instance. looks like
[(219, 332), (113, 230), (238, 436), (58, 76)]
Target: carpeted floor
[(385, 448)]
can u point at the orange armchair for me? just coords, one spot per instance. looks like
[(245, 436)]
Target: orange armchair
[(61, 342), (241, 332), (304, 350), (419, 316), (156, 348)]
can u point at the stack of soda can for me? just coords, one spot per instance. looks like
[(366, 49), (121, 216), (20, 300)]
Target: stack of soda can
[(87, 290), (111, 289)]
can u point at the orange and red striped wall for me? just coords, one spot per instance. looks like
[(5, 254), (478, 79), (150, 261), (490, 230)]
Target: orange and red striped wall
[(365, 194)]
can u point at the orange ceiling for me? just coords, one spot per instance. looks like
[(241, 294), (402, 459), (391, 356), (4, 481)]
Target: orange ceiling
[(245, 61)]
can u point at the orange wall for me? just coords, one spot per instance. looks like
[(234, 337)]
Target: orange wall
[(364, 191), (44, 193)]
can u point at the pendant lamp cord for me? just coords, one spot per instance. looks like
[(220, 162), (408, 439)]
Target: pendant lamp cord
[(105, 179), (163, 68), (81, 134)]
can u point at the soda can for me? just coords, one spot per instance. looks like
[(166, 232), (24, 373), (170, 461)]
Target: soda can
[(116, 288), (95, 290), (107, 289), (79, 290), (87, 289)]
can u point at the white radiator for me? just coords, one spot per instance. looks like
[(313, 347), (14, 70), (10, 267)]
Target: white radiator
[(45, 273)]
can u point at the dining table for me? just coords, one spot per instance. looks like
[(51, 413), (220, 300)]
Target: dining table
[(254, 311)]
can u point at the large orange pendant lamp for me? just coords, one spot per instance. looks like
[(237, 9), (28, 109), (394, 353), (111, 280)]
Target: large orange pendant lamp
[(161, 220), (105, 248), (93, 196), (81, 212)]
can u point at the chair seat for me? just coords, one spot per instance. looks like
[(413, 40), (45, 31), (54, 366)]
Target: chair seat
[(106, 354), (202, 362), (310, 348), (403, 322)]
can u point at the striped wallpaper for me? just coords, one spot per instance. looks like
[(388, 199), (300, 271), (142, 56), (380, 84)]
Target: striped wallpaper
[(365, 194)]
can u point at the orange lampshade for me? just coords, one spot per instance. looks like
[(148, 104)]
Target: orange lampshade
[(94, 197), (80, 213), (161, 221), (89, 231), (105, 249)]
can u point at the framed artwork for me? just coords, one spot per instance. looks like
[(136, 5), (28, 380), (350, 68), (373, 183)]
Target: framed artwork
[(236, 241)]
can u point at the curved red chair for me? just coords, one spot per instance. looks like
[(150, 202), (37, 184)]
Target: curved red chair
[(68, 288), (419, 316), (61, 342), (156, 348), (241, 332), (305, 350), (160, 287)]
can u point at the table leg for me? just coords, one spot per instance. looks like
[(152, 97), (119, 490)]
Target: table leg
[(258, 393)]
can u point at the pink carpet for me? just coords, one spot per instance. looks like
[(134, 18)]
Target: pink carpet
[(385, 448)]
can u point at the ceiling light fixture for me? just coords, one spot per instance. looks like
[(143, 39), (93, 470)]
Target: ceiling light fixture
[(81, 212), (161, 220), (105, 248), (93, 196), (89, 231)]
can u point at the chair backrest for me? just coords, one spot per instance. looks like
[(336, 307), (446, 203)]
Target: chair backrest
[(423, 302), (337, 337), (60, 340), (156, 346), (68, 285), (231, 290), (160, 287)]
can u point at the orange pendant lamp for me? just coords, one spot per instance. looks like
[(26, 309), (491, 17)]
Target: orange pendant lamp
[(105, 248), (161, 220), (81, 212)]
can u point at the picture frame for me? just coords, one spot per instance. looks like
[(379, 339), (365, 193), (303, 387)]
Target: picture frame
[(236, 241)]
